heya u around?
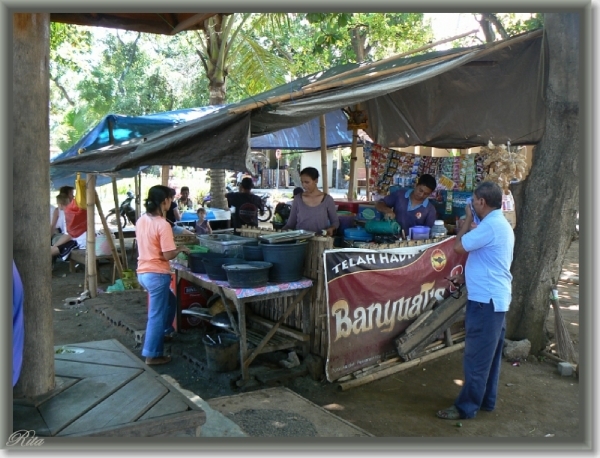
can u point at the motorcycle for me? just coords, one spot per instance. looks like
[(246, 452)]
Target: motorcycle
[(126, 211), (268, 208)]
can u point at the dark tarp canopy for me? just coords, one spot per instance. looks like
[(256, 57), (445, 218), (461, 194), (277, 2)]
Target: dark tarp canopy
[(457, 98), (116, 129)]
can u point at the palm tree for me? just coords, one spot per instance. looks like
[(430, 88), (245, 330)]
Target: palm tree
[(229, 41)]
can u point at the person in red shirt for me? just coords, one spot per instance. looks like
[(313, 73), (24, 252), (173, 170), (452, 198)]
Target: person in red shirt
[(76, 223), (156, 247)]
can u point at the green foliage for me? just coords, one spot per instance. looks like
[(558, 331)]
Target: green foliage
[(514, 25)]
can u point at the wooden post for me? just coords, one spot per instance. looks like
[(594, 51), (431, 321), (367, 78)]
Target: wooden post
[(90, 252), (325, 175), (113, 249), (118, 215), (138, 195), (353, 164), (164, 175), (367, 176)]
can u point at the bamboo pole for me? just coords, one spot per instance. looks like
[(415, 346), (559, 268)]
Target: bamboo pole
[(113, 249), (353, 164), (118, 215), (389, 59), (314, 89), (324, 173), (359, 79), (164, 175), (90, 252), (399, 368), (138, 192)]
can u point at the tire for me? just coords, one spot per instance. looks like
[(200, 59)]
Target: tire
[(266, 216)]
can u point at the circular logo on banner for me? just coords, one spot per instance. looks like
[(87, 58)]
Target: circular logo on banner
[(438, 260)]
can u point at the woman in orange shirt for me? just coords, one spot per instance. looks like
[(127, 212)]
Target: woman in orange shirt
[(156, 248)]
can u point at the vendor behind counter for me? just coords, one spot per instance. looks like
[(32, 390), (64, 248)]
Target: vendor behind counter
[(412, 207)]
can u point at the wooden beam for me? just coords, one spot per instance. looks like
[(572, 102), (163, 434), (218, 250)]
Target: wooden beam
[(353, 160), (192, 21), (90, 265), (325, 175)]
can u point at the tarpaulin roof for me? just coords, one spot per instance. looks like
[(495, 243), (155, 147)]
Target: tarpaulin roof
[(456, 98), (303, 137)]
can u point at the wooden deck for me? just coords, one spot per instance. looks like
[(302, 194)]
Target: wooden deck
[(102, 389)]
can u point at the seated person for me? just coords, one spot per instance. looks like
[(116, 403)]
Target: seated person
[(312, 210), (173, 216), (202, 225), (247, 205), (184, 202), (411, 208), (58, 225), (76, 235)]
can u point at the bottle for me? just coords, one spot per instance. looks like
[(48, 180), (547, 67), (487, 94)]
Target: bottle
[(438, 229)]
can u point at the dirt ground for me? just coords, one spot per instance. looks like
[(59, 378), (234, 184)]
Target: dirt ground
[(534, 400)]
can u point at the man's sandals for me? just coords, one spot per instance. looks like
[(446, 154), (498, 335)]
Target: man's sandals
[(451, 413)]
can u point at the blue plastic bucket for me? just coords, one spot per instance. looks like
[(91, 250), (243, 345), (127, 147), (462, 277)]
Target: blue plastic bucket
[(287, 260)]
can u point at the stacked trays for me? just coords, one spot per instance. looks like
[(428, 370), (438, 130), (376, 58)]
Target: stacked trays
[(214, 267)]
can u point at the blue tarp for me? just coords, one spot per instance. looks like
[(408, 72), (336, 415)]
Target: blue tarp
[(303, 137)]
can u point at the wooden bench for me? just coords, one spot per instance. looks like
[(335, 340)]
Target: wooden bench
[(78, 257)]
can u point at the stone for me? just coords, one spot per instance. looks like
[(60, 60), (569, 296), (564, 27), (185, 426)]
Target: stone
[(518, 349), (315, 366), (565, 369)]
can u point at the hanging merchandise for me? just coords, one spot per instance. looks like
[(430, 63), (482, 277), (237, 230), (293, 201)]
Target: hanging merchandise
[(503, 166), (80, 189)]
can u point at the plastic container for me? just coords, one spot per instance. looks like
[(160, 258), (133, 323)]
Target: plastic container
[(438, 229), (214, 267), (195, 263), (250, 274), (368, 212), (222, 352), (253, 253), (384, 227), (229, 245), (287, 260), (357, 234), (419, 232)]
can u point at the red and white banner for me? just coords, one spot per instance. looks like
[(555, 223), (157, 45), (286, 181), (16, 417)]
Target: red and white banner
[(372, 296)]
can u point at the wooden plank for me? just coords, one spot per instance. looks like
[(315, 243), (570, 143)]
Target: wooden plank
[(29, 418), (79, 370), (169, 424), (170, 404), (282, 329), (442, 317), (123, 406), (60, 410), (94, 355)]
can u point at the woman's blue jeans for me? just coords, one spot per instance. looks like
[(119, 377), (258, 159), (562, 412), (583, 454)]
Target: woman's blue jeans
[(161, 311), (484, 341)]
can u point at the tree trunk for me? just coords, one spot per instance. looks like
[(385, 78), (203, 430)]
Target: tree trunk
[(31, 172), (217, 90), (551, 191)]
